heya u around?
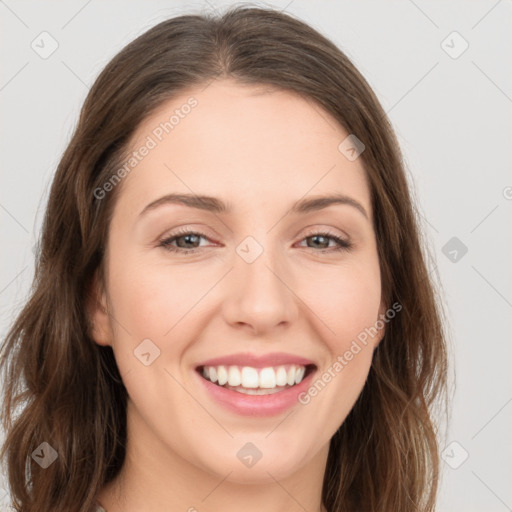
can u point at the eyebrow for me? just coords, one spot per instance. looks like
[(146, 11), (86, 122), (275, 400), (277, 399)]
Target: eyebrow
[(215, 205)]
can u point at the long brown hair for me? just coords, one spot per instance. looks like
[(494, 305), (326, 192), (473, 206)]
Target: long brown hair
[(63, 388)]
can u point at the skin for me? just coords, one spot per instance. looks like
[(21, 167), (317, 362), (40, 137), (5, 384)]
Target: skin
[(259, 150)]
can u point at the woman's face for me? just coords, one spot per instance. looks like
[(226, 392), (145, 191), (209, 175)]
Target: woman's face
[(265, 286)]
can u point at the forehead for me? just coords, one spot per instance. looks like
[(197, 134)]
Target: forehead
[(240, 142)]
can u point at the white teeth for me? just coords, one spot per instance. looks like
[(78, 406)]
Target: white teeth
[(267, 378), (299, 374), (257, 391), (222, 375), (281, 376), (234, 378), (290, 378), (248, 377)]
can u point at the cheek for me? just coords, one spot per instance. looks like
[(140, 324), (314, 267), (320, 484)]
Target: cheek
[(152, 298), (346, 301), (345, 298)]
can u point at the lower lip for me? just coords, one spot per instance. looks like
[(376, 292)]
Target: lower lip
[(256, 405)]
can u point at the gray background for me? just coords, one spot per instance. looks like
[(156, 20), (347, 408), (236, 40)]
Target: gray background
[(452, 115)]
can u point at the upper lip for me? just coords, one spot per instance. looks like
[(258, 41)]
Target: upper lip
[(257, 361)]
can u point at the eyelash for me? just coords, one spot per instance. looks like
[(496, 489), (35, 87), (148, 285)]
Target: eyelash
[(343, 245)]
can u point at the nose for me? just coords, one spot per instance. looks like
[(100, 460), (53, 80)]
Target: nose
[(259, 295)]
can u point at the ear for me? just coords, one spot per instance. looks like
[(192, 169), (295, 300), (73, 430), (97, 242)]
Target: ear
[(97, 312), (380, 319)]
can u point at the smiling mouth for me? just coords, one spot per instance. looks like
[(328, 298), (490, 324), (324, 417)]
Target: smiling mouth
[(256, 381)]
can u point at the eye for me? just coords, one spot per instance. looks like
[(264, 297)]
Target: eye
[(322, 240), (188, 242)]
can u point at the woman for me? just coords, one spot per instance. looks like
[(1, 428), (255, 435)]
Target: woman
[(231, 307)]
